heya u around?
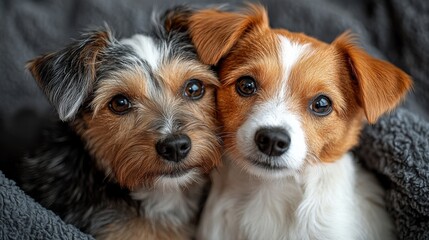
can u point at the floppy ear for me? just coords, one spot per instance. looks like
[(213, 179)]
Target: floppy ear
[(214, 32), (381, 85), (67, 76)]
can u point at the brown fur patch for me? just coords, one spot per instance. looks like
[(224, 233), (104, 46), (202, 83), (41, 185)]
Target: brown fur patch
[(214, 32), (175, 73), (34, 66), (177, 19)]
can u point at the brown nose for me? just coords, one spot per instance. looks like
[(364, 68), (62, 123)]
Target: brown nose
[(272, 141), (174, 148)]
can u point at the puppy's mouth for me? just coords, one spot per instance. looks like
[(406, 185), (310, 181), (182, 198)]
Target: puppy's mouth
[(176, 173), (268, 164)]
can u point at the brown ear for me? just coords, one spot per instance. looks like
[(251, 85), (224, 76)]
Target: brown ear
[(381, 84), (214, 32)]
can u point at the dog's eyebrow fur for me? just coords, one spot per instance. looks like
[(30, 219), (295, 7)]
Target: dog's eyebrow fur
[(123, 57)]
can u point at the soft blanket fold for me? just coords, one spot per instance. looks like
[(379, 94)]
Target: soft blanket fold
[(22, 218), (397, 149)]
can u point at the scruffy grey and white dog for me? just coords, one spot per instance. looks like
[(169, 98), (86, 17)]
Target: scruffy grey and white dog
[(137, 137)]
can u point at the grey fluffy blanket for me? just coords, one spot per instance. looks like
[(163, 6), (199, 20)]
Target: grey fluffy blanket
[(396, 148), (22, 218)]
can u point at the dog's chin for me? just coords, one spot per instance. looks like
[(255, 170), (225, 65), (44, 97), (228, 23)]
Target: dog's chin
[(262, 168), (177, 179)]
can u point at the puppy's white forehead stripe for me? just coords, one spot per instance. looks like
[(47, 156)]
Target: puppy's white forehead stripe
[(150, 56), (290, 54), (147, 50)]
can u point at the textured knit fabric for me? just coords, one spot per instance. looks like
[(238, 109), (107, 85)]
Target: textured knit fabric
[(21, 218)]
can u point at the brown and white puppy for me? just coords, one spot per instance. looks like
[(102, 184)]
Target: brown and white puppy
[(291, 108), (139, 137)]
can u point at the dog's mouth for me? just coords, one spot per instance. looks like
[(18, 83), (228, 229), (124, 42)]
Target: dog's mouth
[(268, 165), (177, 178), (176, 173)]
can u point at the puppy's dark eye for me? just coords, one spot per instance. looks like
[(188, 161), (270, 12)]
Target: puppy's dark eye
[(194, 89), (246, 86), (321, 106), (119, 104)]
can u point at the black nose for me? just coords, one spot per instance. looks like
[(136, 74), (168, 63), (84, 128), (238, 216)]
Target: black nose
[(272, 141), (174, 148)]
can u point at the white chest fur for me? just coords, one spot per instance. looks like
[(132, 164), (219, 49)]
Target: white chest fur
[(171, 207), (327, 201)]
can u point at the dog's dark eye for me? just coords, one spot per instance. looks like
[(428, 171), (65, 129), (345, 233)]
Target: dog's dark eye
[(321, 105), (246, 86), (194, 89), (120, 104)]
